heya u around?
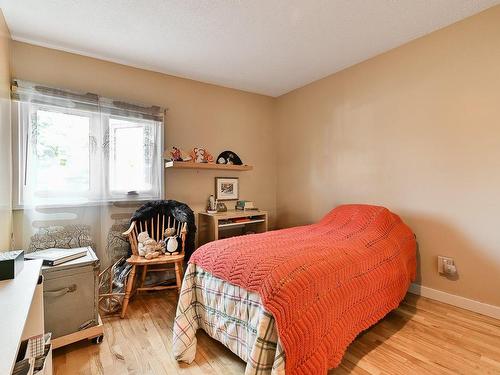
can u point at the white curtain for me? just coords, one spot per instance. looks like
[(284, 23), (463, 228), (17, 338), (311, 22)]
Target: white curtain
[(82, 165)]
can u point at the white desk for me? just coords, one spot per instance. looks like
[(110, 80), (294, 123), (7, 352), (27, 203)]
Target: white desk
[(21, 312)]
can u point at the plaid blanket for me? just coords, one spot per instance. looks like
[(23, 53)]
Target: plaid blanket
[(230, 314)]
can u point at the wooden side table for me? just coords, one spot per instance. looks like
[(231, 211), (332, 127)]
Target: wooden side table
[(212, 227)]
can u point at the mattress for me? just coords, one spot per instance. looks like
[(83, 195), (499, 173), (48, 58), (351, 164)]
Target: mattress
[(231, 315)]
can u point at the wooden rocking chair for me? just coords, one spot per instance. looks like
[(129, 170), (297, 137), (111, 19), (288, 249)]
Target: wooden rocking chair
[(155, 226)]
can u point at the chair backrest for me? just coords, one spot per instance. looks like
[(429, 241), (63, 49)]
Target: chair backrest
[(155, 227)]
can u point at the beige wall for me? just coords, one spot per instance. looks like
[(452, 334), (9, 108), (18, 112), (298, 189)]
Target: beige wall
[(199, 115), (5, 145), (416, 129)]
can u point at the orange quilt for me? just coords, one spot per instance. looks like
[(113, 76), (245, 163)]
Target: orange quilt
[(324, 283)]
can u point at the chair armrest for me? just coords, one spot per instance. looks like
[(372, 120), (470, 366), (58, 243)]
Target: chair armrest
[(129, 230)]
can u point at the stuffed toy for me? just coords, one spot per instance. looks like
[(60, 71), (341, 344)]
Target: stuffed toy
[(175, 210), (148, 247), (172, 244), (200, 155), (176, 154), (169, 232)]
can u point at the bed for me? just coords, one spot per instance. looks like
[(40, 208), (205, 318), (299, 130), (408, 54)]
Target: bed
[(293, 299)]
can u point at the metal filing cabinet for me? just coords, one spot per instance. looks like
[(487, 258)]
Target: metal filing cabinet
[(71, 297)]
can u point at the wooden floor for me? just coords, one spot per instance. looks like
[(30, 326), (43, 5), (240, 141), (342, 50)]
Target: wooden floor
[(420, 337)]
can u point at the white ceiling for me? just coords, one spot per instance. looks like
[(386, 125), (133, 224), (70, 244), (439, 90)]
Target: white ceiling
[(263, 46)]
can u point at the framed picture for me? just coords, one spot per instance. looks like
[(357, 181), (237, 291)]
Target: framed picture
[(226, 188)]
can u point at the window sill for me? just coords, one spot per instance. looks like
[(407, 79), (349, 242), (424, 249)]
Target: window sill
[(115, 202)]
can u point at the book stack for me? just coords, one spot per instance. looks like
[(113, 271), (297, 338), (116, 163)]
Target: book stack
[(246, 206), (55, 256)]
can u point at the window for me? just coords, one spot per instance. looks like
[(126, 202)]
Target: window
[(61, 142), (71, 155), (131, 161)]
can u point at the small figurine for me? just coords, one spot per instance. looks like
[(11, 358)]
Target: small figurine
[(176, 154), (200, 155), (211, 205), (229, 157), (221, 206)]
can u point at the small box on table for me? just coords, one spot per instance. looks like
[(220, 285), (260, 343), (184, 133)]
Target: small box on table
[(11, 263)]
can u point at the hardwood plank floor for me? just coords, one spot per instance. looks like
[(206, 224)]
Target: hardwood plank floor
[(421, 337)]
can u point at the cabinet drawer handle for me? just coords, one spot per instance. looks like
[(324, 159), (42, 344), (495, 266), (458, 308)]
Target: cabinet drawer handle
[(60, 292)]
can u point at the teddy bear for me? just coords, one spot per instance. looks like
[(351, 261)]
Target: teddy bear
[(148, 247)]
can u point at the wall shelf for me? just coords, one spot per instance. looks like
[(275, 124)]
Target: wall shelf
[(213, 166)]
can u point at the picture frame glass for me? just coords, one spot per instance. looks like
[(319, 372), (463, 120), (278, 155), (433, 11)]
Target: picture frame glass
[(226, 188)]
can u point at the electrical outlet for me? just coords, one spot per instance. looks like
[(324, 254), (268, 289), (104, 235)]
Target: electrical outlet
[(445, 264)]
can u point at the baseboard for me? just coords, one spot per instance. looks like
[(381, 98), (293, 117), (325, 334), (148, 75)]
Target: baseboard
[(453, 299)]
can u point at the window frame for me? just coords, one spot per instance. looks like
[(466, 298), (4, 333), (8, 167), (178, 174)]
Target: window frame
[(93, 125), (99, 188), (138, 123)]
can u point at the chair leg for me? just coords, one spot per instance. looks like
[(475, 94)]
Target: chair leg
[(143, 276), (130, 284), (178, 277)]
